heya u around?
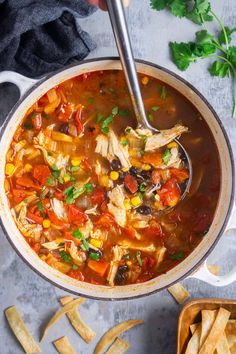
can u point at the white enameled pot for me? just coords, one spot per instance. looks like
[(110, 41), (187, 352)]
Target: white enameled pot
[(31, 90)]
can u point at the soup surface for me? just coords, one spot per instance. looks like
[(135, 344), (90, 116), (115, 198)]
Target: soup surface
[(100, 200)]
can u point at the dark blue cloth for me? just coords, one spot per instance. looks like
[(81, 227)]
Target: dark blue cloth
[(39, 36)]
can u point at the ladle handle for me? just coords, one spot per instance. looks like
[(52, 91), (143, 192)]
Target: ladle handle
[(119, 25)]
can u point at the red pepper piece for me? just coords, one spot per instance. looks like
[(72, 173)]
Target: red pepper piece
[(130, 183)]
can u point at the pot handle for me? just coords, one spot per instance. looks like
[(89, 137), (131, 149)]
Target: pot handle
[(22, 82), (203, 272)]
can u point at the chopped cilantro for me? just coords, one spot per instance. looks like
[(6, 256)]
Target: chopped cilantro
[(50, 181), (40, 206), (28, 125), (155, 108), (125, 142), (163, 92), (65, 257), (60, 180), (124, 112), (55, 171), (68, 190), (75, 267), (73, 178), (77, 234), (150, 117), (142, 188), (114, 111), (95, 256), (166, 156), (177, 256), (91, 100), (99, 118), (126, 256), (105, 124), (74, 168), (77, 192), (88, 187), (139, 259)]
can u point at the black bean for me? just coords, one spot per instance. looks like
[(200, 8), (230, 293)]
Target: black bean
[(121, 274), (134, 171), (144, 210), (91, 129), (145, 174), (121, 176), (115, 165), (64, 128)]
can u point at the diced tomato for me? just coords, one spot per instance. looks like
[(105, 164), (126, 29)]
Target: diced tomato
[(78, 119), (99, 267), (86, 165), (180, 174), (46, 204), (41, 173), (148, 262), (26, 181), (37, 121), (65, 112), (54, 219), (106, 220), (18, 195), (35, 218), (156, 176), (98, 196), (76, 215), (36, 247), (76, 274), (129, 232), (59, 195), (130, 183), (170, 193)]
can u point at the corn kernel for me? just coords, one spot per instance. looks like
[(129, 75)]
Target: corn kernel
[(114, 175), (66, 177), (9, 169), (96, 243), (125, 169), (171, 145), (127, 204), (147, 167), (129, 263), (135, 201), (28, 167), (145, 80), (76, 161), (46, 223), (132, 152), (104, 181), (136, 163)]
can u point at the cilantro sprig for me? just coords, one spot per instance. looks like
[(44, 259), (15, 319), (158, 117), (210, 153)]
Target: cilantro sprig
[(107, 121), (205, 45)]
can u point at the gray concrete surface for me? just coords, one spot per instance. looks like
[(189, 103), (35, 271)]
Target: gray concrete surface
[(36, 298)]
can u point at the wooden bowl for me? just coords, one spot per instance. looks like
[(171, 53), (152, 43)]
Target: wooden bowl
[(191, 313)]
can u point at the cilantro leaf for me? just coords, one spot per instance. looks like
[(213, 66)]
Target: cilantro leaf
[(65, 257), (163, 92), (178, 8), (181, 54), (105, 124), (203, 37), (229, 32), (155, 108), (139, 259), (99, 118), (200, 12), (232, 55), (159, 4), (220, 68), (177, 256), (115, 111)]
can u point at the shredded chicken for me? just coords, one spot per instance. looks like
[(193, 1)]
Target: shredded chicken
[(78, 257), (139, 221), (59, 209), (53, 245), (136, 137), (92, 211), (87, 228), (160, 254), (143, 246), (45, 140), (28, 229), (50, 160), (110, 147), (117, 255), (164, 137), (116, 206)]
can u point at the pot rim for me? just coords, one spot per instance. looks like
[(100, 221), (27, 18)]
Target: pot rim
[(230, 151)]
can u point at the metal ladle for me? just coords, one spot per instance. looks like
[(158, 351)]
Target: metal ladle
[(121, 34)]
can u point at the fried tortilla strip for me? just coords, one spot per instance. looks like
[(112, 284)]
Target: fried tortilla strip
[(114, 332), (216, 332), (119, 346), (63, 346), (208, 318), (20, 330), (223, 345), (193, 344), (79, 325), (179, 293), (230, 332), (214, 269), (70, 306), (193, 327)]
